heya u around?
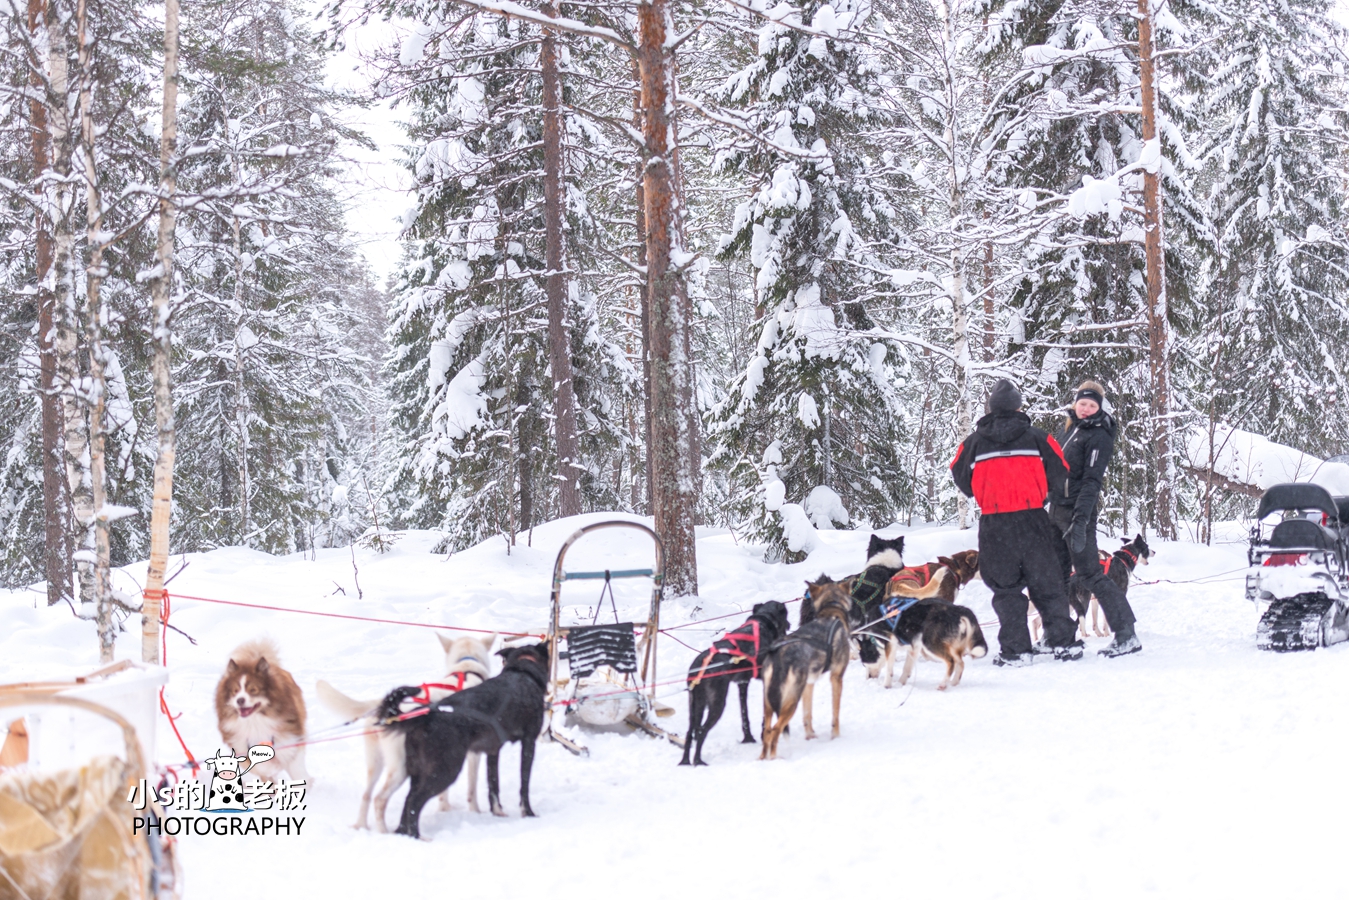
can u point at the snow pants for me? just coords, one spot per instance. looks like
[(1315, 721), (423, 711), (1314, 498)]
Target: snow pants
[(1114, 603), (1019, 551)]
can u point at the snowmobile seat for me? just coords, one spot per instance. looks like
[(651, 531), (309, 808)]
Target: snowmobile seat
[(1300, 534), (1300, 495)]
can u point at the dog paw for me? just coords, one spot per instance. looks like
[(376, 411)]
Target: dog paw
[(941, 687)]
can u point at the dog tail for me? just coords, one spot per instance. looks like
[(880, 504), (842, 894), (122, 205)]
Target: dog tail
[(971, 632), (340, 703), (927, 591)]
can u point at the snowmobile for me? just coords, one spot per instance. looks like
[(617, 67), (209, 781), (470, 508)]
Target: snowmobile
[(1299, 557)]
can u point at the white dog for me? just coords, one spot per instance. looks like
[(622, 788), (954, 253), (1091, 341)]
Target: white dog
[(467, 662)]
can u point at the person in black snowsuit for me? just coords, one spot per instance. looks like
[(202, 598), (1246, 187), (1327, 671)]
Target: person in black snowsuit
[(1007, 467), (1088, 440)]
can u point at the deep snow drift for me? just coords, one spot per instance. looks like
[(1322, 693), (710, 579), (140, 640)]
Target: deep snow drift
[(1200, 765)]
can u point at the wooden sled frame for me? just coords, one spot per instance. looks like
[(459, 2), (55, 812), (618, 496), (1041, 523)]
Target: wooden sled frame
[(645, 682)]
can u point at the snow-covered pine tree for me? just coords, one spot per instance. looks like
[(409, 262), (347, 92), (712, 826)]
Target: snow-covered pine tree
[(272, 287), (1274, 111), (1080, 309), (814, 417), (469, 369)]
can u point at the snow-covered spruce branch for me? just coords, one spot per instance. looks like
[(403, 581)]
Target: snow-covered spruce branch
[(747, 131)]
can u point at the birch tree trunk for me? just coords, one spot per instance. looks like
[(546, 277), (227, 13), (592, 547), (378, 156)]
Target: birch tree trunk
[(55, 514), (559, 332), (160, 289), (74, 395), (675, 479), (1157, 313), (960, 313), (93, 312)]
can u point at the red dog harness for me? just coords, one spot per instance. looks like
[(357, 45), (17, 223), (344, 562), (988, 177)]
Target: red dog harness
[(424, 698), (916, 576), (741, 645)]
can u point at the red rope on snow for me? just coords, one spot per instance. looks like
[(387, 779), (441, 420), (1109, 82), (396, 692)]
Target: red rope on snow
[(310, 612)]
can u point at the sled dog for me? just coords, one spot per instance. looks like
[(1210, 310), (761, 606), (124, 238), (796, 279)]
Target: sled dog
[(943, 632), (793, 665), (733, 658), (467, 663), (480, 719), (1118, 567), (258, 702)]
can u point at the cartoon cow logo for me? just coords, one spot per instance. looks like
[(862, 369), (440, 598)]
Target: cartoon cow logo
[(227, 785)]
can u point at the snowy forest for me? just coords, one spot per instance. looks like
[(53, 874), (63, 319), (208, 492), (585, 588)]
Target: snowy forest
[(719, 262)]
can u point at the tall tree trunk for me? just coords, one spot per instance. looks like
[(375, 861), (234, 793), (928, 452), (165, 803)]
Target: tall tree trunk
[(955, 214), (55, 514), (240, 384), (74, 395), (93, 311), (559, 331), (161, 287), (675, 480), (1157, 313), (644, 295)]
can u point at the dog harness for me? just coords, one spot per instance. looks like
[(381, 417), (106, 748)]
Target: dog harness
[(916, 576), (1133, 559), (424, 698), (892, 608), (870, 585), (741, 645)]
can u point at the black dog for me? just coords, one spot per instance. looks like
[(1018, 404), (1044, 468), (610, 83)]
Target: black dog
[(479, 719), (884, 559), (733, 658)]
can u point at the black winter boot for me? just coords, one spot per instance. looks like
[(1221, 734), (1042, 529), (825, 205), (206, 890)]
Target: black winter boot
[(1125, 642)]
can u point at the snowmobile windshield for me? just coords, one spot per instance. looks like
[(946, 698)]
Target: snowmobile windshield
[(1300, 497)]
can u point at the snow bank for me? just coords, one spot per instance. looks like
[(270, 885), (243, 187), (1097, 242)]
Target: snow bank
[(1148, 771), (1253, 459)]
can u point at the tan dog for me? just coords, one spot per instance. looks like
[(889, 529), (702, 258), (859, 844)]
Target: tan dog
[(466, 664), (793, 665), (258, 702), (941, 580)]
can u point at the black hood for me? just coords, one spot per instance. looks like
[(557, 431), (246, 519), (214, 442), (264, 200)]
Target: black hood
[(1099, 419), (1002, 426)]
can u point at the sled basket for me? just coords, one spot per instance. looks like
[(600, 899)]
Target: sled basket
[(69, 832)]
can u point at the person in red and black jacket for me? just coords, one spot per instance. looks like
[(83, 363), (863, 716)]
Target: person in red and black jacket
[(1007, 466)]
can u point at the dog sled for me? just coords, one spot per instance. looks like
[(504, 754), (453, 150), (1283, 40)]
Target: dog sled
[(610, 674), (67, 828), (1299, 557)]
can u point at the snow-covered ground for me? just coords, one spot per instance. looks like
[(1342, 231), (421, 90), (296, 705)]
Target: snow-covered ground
[(1199, 767)]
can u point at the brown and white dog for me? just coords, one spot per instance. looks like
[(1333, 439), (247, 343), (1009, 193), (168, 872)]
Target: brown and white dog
[(940, 581), (943, 632), (793, 665), (467, 663), (258, 702)]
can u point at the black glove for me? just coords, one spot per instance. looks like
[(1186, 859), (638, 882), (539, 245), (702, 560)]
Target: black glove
[(1077, 535)]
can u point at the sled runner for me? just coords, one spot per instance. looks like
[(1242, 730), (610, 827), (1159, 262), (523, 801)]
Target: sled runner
[(611, 675), (1299, 554)]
